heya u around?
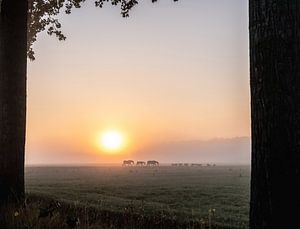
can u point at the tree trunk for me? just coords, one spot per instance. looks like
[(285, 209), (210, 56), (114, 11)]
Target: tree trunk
[(275, 100), (13, 36)]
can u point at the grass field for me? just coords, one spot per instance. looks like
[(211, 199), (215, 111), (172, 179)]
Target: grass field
[(219, 194)]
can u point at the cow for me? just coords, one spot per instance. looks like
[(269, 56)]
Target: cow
[(128, 162), (152, 163), (196, 164), (140, 163)]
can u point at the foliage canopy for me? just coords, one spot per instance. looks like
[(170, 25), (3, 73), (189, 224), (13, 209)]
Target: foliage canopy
[(42, 16)]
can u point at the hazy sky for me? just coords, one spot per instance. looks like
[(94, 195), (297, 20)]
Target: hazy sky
[(171, 72)]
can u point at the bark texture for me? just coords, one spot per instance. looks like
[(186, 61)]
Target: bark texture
[(13, 36), (275, 99)]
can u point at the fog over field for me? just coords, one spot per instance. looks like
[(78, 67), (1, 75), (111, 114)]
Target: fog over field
[(220, 150)]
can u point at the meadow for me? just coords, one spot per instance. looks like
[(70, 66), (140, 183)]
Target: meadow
[(217, 195)]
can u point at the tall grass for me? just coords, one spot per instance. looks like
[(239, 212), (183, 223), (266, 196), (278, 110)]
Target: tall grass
[(42, 212)]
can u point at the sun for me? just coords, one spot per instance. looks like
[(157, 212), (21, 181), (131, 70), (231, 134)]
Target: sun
[(112, 140)]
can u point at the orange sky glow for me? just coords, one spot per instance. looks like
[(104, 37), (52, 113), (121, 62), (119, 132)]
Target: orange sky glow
[(168, 73)]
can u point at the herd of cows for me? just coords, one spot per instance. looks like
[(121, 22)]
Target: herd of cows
[(140, 163), (156, 163)]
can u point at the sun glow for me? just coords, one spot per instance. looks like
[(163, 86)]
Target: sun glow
[(112, 141)]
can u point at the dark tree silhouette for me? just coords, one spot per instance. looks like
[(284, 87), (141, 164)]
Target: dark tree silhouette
[(275, 100), (13, 43)]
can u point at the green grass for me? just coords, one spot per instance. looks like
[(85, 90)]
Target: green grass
[(185, 194)]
